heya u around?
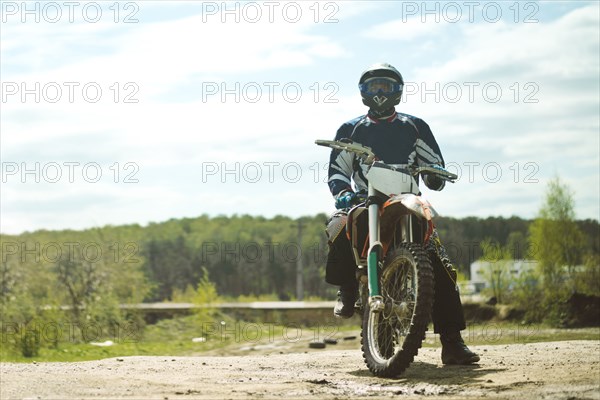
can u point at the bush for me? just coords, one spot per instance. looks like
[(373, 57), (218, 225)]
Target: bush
[(206, 295), (30, 343), (528, 295), (582, 310)]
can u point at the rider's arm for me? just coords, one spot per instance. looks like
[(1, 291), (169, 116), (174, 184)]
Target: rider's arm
[(428, 151), (340, 165), (429, 154)]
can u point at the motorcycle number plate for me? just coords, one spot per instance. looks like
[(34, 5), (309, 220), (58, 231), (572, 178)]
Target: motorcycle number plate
[(391, 181)]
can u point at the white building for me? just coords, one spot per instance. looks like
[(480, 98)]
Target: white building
[(479, 276)]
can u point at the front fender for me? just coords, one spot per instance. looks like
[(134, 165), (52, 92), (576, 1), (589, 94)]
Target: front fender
[(416, 204)]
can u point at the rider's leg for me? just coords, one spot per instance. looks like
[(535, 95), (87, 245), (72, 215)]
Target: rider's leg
[(340, 269), (447, 315)]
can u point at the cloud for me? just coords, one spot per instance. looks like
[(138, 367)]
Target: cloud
[(156, 55), (547, 73), (404, 29), (546, 114), (173, 131)]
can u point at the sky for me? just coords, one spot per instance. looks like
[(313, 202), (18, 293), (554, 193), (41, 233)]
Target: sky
[(136, 112)]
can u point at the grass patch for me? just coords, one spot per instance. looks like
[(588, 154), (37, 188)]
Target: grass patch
[(224, 335), (505, 332), (168, 337)]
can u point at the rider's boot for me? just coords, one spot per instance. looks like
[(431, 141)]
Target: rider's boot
[(347, 295), (455, 351)]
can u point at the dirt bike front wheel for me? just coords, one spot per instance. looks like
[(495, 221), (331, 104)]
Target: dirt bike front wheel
[(391, 337)]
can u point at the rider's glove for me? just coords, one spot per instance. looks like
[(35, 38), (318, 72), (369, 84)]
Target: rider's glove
[(434, 182), (345, 199)]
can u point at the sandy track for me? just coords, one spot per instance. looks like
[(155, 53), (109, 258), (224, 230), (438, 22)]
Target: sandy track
[(554, 370)]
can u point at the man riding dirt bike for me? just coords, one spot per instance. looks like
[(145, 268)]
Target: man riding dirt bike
[(401, 142)]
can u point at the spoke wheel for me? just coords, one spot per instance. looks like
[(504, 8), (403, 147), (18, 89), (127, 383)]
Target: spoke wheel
[(391, 337)]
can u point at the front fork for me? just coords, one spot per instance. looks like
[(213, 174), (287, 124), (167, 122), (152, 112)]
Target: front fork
[(375, 255)]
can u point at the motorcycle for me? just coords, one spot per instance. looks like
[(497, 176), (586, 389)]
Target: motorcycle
[(390, 236)]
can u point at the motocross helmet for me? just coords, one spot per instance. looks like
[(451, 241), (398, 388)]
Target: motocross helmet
[(381, 87)]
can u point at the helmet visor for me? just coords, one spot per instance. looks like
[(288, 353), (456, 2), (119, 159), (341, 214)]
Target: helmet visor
[(380, 85)]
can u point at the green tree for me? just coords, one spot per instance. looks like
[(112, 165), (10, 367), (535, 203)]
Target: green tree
[(559, 246), (497, 268), (557, 241), (205, 296)]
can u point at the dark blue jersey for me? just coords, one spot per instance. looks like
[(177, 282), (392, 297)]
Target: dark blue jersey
[(399, 140)]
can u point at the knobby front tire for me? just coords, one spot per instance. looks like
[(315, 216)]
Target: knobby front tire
[(391, 338)]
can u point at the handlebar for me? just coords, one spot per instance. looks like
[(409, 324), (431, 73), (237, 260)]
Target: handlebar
[(368, 157), (442, 173), (364, 152)]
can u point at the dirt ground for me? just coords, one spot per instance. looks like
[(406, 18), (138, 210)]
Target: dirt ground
[(551, 370)]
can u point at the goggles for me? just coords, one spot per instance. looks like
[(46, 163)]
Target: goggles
[(380, 85)]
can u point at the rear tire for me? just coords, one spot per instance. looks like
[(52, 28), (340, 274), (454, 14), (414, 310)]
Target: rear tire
[(391, 338)]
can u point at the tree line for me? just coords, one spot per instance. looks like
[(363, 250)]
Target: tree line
[(91, 272), (243, 255)]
